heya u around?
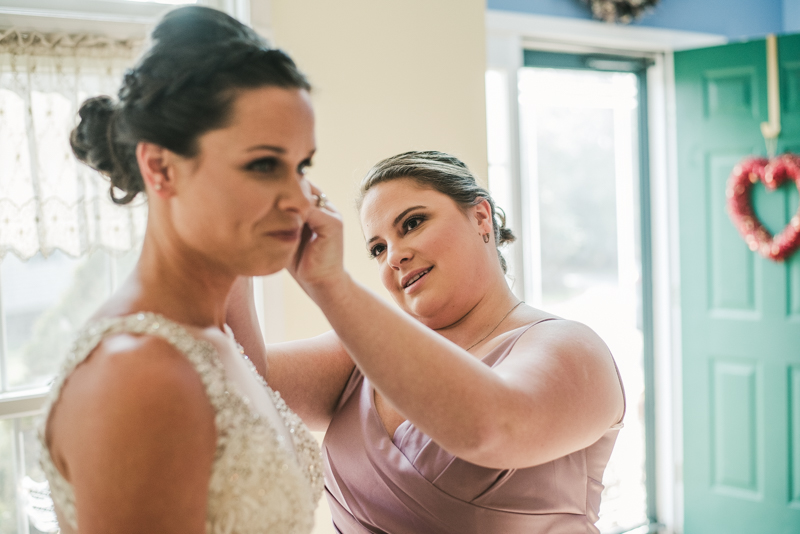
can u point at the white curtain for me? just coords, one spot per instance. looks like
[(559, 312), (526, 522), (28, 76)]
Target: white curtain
[(48, 200)]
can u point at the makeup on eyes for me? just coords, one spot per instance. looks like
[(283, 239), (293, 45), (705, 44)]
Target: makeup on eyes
[(269, 164), (410, 214), (266, 164)]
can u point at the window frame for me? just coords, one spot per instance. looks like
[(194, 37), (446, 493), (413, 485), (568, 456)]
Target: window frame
[(99, 10), (509, 34), (121, 19), (117, 18), (133, 19), (638, 65)]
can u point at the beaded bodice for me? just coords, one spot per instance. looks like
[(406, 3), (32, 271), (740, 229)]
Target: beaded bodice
[(258, 483)]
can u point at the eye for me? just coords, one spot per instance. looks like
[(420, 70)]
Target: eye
[(304, 166), (413, 222), (376, 251), (264, 165)]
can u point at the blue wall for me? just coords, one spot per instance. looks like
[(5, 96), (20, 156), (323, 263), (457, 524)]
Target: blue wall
[(736, 19), (791, 16)]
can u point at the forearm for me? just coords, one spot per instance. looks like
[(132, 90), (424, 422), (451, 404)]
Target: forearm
[(310, 375), (241, 316), (443, 390)]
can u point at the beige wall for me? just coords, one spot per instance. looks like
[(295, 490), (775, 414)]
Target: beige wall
[(388, 76)]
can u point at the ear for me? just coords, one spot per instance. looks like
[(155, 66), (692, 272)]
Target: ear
[(483, 216), (154, 165)]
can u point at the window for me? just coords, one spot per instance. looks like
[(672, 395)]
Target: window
[(44, 302), (583, 185), (63, 245)]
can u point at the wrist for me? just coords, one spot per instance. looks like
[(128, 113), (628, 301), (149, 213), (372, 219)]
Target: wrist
[(326, 290)]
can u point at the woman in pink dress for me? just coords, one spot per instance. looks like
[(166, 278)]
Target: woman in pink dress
[(467, 412)]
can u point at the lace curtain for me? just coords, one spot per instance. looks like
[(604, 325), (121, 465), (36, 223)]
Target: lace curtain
[(48, 200)]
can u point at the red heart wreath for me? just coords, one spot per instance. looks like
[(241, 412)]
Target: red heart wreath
[(773, 173)]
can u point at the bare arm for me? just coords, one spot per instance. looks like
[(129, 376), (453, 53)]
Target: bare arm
[(134, 434), (310, 374), (557, 393), (241, 316)]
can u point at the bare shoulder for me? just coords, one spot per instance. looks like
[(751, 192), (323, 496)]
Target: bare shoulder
[(133, 393), (563, 334), (563, 357), (125, 368)]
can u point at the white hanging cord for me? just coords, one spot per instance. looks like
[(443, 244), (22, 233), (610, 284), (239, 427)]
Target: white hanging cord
[(772, 129)]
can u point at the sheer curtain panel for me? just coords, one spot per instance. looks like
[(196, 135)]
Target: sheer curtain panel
[(48, 200)]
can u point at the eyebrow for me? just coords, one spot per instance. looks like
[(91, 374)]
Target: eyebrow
[(398, 218), (279, 150)]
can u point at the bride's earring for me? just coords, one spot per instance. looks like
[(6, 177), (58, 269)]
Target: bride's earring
[(485, 238)]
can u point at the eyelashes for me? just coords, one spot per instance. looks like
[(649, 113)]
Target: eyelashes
[(304, 166), (409, 225), (263, 165), (375, 251), (413, 222), (271, 165)]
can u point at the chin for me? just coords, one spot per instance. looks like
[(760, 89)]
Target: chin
[(265, 266), (424, 313)]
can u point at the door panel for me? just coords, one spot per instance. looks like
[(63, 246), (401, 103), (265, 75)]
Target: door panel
[(731, 267), (740, 312)]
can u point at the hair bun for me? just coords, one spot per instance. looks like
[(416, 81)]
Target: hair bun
[(194, 30), (90, 140), (505, 236)]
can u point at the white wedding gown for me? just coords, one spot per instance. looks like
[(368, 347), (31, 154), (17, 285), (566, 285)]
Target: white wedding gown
[(258, 484)]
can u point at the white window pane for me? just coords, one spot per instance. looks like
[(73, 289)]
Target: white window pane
[(580, 138), (19, 473), (45, 302), (8, 483), (36, 507)]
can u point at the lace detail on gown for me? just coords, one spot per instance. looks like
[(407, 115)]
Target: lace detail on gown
[(256, 484)]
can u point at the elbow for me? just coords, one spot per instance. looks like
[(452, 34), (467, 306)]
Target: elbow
[(489, 443)]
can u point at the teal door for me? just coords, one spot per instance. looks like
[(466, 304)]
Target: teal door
[(740, 312)]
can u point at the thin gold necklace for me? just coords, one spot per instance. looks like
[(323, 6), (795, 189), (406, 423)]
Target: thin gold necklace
[(495, 326)]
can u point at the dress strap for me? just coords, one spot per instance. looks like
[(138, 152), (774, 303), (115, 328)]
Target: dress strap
[(504, 353), (200, 353), (499, 353), (624, 397)]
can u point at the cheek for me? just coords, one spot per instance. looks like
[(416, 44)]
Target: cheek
[(440, 246), (214, 211), (387, 277)]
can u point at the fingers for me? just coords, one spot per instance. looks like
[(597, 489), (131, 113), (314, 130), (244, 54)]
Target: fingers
[(320, 199), (305, 237)]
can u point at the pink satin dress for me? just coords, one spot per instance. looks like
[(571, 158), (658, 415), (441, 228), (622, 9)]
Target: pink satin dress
[(409, 485)]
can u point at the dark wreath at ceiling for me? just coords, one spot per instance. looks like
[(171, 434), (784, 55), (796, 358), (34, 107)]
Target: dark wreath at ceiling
[(622, 11)]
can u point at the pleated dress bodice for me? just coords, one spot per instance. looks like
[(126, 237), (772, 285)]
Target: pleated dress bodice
[(408, 484)]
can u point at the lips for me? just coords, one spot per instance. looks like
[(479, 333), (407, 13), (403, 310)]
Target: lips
[(290, 234), (414, 276)]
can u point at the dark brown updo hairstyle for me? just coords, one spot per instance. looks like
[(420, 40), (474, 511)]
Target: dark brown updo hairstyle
[(445, 174), (181, 88)]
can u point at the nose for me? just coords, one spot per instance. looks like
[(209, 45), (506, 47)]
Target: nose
[(397, 255), (296, 197)]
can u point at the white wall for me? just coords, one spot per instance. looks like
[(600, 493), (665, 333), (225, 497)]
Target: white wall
[(388, 77)]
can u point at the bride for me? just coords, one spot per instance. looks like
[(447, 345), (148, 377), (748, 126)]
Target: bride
[(158, 421)]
